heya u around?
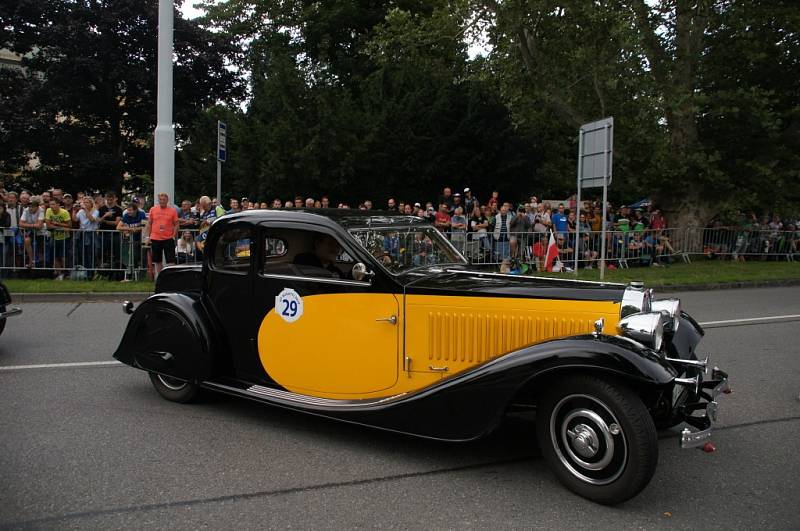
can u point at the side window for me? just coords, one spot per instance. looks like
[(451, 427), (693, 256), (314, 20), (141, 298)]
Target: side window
[(232, 250), (304, 253)]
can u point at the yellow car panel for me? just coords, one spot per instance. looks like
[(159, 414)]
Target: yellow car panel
[(452, 334), (338, 346)]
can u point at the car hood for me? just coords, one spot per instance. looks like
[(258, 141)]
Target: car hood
[(476, 283)]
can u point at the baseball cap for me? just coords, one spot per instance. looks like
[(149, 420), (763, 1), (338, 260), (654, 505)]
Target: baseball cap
[(457, 194), (466, 190), (417, 205)]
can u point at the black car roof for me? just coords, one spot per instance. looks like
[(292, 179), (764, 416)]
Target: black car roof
[(344, 217)]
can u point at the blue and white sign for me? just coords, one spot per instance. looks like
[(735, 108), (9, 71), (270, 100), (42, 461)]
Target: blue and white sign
[(289, 305), (222, 150)]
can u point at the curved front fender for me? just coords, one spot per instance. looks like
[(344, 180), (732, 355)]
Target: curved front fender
[(471, 404)]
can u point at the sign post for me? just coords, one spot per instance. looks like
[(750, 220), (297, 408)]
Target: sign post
[(595, 150), (222, 155)]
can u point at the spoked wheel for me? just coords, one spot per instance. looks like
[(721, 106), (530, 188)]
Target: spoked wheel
[(174, 389), (598, 438)]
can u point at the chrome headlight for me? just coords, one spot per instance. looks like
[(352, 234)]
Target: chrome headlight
[(635, 299), (670, 307), (647, 328)]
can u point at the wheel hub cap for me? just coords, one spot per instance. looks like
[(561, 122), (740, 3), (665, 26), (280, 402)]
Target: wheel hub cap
[(584, 440), (588, 439)]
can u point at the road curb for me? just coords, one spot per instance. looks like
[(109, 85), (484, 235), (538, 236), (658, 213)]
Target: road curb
[(729, 285), (80, 297)]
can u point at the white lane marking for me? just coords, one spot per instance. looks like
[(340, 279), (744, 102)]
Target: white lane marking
[(752, 320), (60, 365)]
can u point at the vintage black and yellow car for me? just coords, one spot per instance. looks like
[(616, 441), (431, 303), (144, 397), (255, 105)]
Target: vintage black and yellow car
[(377, 320), (6, 311)]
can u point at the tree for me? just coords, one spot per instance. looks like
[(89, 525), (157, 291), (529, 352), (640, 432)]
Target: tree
[(561, 64), (364, 99), (749, 115), (704, 92), (88, 105)]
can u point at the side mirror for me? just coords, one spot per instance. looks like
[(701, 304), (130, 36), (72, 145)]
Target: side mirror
[(360, 272)]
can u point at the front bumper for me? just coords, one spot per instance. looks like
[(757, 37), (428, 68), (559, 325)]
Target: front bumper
[(10, 312), (700, 411)]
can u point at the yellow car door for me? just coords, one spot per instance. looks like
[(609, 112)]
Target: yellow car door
[(323, 336)]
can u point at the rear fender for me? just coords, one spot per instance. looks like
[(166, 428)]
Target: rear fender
[(171, 334)]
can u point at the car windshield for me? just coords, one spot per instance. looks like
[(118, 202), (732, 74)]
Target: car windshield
[(400, 249)]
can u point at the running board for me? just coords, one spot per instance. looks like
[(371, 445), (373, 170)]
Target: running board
[(288, 398)]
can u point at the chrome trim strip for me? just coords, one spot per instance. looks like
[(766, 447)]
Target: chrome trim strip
[(10, 312), (532, 277), (304, 400), (322, 280)]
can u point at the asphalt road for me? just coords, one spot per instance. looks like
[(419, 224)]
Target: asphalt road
[(95, 447)]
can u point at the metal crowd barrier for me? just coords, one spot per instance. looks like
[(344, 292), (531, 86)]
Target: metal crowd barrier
[(744, 242), (651, 247), (83, 254), (625, 249)]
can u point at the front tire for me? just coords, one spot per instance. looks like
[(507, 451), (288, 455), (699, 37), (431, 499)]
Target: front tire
[(174, 389), (598, 438)]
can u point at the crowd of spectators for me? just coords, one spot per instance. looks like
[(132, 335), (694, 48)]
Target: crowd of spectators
[(89, 233)]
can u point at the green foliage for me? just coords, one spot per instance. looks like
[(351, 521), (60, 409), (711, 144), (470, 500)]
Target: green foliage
[(375, 98), (359, 100), (704, 94), (87, 101), (749, 119)]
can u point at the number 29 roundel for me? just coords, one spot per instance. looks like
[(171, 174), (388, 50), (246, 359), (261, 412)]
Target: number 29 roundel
[(289, 305)]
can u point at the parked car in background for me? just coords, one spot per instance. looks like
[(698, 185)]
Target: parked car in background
[(375, 319)]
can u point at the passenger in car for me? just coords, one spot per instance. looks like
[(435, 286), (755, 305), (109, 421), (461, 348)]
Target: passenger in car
[(326, 249)]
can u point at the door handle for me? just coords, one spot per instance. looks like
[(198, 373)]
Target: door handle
[(390, 320)]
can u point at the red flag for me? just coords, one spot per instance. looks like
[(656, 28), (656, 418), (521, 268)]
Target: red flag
[(552, 253)]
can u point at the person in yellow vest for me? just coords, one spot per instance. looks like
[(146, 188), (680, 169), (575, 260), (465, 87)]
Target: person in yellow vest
[(59, 222)]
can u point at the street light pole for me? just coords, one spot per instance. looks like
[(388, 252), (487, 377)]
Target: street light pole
[(164, 163)]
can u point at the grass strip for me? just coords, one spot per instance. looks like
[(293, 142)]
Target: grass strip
[(17, 285), (705, 272)]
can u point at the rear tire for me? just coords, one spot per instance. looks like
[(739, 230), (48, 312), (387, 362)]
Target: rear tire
[(174, 389), (598, 438)]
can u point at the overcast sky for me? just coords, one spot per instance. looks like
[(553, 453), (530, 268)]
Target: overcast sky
[(188, 9)]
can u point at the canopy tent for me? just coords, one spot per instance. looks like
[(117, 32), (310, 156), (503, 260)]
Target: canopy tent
[(642, 203)]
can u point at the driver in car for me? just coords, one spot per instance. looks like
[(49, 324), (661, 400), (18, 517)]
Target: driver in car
[(326, 250)]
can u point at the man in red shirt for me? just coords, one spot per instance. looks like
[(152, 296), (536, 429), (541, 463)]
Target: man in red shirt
[(442, 219), (162, 226)]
